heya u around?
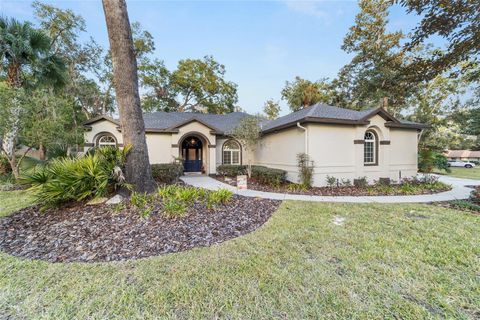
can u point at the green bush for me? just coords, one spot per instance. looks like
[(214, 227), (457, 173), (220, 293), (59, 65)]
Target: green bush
[(220, 196), (4, 165), (231, 170), (167, 172), (361, 182), (80, 178), (331, 181), (429, 159), (305, 168), (296, 187), (269, 176)]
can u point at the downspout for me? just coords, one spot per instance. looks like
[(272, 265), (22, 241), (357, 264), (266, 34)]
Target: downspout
[(306, 136)]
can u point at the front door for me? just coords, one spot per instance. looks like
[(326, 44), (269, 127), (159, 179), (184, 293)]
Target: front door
[(192, 154)]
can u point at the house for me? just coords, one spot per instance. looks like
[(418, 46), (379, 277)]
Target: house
[(463, 155), (342, 143)]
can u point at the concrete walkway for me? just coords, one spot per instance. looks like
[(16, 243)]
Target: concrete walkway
[(459, 191)]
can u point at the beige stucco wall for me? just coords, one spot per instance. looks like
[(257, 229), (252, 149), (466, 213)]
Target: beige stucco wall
[(279, 150), (331, 147), (103, 126), (159, 148)]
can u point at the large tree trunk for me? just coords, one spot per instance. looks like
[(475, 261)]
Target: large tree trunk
[(137, 171)]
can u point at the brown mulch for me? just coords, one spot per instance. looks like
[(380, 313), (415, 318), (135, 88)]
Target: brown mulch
[(98, 233), (325, 191)]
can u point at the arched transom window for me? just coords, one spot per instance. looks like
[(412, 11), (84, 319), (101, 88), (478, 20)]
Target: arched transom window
[(231, 152), (370, 152), (107, 140)]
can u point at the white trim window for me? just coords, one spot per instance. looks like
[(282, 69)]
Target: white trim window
[(370, 148), (231, 152), (107, 141)]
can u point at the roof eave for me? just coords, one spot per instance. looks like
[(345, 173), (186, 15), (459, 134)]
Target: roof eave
[(417, 126), (317, 120)]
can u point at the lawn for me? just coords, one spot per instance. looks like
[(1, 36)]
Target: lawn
[(376, 261), (473, 173), (14, 200)]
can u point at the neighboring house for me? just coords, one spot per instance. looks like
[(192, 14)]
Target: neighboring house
[(463, 155), (342, 143)]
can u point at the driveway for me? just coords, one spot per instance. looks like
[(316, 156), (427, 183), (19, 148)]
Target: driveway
[(459, 191)]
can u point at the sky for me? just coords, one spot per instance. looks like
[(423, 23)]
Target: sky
[(261, 43)]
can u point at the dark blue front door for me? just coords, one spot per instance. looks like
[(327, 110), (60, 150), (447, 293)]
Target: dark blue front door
[(192, 154), (192, 165)]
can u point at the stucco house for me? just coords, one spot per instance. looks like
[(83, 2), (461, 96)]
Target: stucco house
[(343, 143)]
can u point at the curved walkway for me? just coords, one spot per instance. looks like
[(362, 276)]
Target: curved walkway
[(459, 191)]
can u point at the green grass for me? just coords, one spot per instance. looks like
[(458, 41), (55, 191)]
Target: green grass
[(14, 200), (472, 173), (391, 261)]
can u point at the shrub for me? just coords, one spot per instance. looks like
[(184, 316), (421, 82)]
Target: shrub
[(465, 205), (475, 195), (220, 196), (296, 187), (167, 172), (346, 183), (269, 176), (230, 170), (305, 169), (361, 182), (4, 165), (143, 202), (79, 178), (429, 159), (173, 208), (331, 181)]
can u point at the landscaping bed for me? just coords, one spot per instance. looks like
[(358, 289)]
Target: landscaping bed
[(414, 187), (472, 204), (77, 232)]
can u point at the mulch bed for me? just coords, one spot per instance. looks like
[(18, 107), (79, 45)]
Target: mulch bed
[(325, 191), (97, 233)]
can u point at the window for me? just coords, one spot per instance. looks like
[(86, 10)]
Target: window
[(107, 140), (370, 148), (231, 152)]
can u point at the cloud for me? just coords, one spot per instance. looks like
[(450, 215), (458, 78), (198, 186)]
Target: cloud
[(312, 8)]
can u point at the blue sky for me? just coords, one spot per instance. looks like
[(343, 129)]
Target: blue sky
[(261, 43)]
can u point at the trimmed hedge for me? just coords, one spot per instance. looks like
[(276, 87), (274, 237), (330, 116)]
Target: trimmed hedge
[(167, 172), (269, 176), (231, 170)]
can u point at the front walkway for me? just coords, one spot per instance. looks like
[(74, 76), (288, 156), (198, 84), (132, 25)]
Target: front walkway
[(459, 191)]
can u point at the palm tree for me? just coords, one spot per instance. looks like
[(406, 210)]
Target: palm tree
[(125, 79), (27, 58)]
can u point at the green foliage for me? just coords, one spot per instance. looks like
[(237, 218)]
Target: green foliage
[(302, 93), (248, 133), (79, 178), (173, 208), (269, 176), (374, 76), (465, 205), (219, 196), (142, 202), (167, 172), (231, 170), (271, 109), (360, 182), (429, 159), (456, 21), (331, 181), (4, 165), (296, 187), (305, 169), (196, 85)]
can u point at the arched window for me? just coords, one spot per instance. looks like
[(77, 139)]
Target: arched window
[(370, 149), (231, 152), (106, 140)]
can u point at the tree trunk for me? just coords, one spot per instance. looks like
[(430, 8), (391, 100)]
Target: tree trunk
[(137, 168), (41, 152)]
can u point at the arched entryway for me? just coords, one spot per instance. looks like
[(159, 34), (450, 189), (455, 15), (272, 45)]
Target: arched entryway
[(192, 148)]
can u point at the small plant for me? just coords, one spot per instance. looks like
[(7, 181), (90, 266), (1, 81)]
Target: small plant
[(305, 168), (142, 201), (173, 208), (216, 197), (296, 187), (331, 181), (361, 182), (167, 172), (119, 207), (346, 183)]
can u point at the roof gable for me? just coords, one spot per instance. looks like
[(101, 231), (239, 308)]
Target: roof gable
[(195, 119), (101, 118)]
